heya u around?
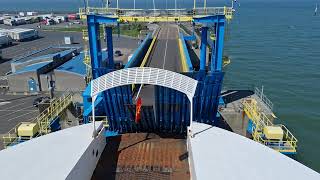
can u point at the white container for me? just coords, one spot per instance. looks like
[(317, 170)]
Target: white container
[(9, 22), (68, 40), (22, 14), (32, 13), (19, 34)]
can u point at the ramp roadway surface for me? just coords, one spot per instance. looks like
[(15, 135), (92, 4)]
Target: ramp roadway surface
[(165, 55)]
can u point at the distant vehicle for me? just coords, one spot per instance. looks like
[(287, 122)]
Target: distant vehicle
[(76, 22), (118, 65), (5, 40), (9, 22), (118, 53), (39, 100)]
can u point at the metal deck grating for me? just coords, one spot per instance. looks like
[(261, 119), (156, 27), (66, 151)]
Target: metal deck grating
[(143, 156)]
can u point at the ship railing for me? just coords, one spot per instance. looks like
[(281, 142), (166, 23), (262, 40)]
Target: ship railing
[(287, 145), (263, 98), (103, 119), (11, 136), (255, 114), (227, 11)]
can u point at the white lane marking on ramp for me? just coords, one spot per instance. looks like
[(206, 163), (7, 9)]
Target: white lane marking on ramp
[(165, 51)]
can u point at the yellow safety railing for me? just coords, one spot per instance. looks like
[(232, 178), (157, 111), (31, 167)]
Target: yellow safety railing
[(85, 35), (87, 60), (157, 15), (56, 107), (43, 120), (103, 119), (287, 145), (254, 113)]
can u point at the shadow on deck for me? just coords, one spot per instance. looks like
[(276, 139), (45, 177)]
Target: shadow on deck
[(230, 96)]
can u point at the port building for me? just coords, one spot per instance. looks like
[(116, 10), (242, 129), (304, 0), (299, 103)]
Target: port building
[(59, 67)]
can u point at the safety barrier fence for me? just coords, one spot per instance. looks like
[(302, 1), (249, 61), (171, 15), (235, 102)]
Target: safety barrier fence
[(87, 60), (103, 119), (263, 98)]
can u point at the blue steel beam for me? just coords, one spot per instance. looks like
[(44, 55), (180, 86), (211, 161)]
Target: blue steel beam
[(101, 19), (213, 54), (95, 48), (209, 20), (219, 43), (94, 40), (110, 62), (203, 48)]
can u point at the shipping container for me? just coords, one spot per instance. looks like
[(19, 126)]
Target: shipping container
[(20, 34), (73, 16), (32, 13), (22, 14), (68, 40)]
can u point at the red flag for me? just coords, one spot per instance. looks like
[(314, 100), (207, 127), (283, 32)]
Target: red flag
[(138, 110)]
